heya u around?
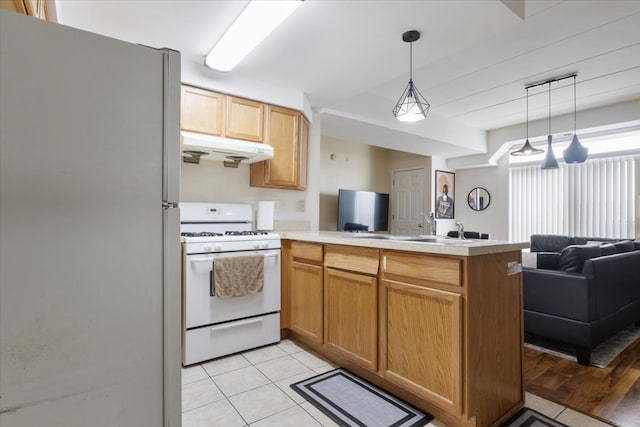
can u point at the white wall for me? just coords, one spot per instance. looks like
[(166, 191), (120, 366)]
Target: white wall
[(495, 218)]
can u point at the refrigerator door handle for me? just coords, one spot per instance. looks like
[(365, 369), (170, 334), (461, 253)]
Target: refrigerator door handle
[(169, 205)]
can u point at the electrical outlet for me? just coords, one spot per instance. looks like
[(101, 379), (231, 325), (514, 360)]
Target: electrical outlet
[(301, 205)]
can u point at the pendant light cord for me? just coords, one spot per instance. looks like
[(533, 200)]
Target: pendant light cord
[(549, 108), (574, 105), (527, 114), (411, 61)]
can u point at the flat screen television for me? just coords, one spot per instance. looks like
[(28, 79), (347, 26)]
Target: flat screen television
[(362, 211)]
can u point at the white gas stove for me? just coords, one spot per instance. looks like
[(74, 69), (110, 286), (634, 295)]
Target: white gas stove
[(213, 326)]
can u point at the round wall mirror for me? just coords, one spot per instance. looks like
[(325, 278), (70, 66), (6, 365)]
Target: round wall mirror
[(478, 199)]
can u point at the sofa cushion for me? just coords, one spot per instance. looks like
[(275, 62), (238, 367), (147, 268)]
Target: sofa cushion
[(573, 257), (608, 249), (579, 240), (548, 260), (549, 242), (624, 246), (636, 243)]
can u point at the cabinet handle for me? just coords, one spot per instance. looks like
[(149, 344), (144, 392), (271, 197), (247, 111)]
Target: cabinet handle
[(235, 324), (384, 262)]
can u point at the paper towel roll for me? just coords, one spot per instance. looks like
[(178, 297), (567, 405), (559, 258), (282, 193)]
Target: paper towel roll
[(265, 216)]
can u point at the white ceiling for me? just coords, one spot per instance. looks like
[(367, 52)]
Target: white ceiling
[(472, 62)]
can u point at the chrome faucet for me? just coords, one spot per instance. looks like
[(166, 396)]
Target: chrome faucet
[(432, 223), (460, 229)]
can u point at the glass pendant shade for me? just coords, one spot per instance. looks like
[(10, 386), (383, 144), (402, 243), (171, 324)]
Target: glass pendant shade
[(412, 106), (549, 161), (575, 152)]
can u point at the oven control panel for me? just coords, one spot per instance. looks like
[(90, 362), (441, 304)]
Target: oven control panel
[(231, 246)]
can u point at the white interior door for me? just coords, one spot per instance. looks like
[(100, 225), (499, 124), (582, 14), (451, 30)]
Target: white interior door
[(407, 202)]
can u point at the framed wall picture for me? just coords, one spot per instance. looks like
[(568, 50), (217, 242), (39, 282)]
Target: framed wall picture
[(445, 189)]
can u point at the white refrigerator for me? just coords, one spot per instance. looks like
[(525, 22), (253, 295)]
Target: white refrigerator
[(90, 309)]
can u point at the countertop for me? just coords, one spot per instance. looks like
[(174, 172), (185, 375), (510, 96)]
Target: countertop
[(444, 246)]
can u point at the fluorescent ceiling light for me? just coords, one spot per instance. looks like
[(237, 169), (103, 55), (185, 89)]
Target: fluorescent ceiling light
[(254, 24)]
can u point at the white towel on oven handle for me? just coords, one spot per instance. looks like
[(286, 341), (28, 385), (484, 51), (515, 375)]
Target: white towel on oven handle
[(237, 275)]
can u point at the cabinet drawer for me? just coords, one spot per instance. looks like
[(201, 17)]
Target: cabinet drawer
[(425, 267), (213, 341), (309, 251), (351, 258)]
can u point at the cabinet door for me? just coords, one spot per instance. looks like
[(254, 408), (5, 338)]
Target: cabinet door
[(202, 111), (244, 119), (306, 300), (351, 321), (282, 134), (303, 157), (421, 347)]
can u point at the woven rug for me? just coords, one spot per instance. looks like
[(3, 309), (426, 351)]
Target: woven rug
[(526, 417), (601, 356), (350, 401)]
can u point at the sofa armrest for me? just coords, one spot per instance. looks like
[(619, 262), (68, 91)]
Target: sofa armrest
[(616, 281), (543, 260), (569, 295)]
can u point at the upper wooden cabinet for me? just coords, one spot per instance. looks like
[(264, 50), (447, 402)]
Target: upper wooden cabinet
[(202, 111), (35, 8), (212, 113), (245, 119), (288, 132)]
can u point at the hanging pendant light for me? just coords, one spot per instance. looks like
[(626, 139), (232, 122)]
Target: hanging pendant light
[(575, 152), (550, 161), (411, 106), (527, 149)]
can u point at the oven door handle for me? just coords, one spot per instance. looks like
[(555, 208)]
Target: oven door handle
[(235, 324), (211, 259), (200, 260)]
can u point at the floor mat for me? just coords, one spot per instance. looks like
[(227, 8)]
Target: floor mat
[(351, 401)]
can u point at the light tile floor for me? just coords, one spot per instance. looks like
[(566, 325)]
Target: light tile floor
[(252, 389)]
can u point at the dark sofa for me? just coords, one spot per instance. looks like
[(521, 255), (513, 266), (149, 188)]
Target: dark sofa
[(581, 294)]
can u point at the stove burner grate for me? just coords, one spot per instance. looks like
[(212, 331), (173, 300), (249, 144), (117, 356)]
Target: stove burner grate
[(245, 233), (199, 234)]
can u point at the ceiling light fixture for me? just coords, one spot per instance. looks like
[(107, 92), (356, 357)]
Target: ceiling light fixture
[(527, 149), (411, 106), (575, 152), (549, 161), (253, 25)]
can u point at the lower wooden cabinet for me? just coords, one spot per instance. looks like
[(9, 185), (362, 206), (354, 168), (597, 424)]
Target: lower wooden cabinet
[(443, 332), (351, 307), (421, 341), (306, 301)]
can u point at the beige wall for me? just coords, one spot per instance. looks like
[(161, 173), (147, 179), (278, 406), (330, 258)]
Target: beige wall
[(357, 166)]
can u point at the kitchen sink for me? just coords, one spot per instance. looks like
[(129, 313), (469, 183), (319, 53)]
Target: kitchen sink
[(424, 238)]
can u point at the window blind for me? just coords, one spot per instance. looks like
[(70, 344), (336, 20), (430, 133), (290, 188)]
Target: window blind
[(593, 199)]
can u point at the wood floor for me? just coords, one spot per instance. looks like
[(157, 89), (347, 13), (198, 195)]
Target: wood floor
[(611, 394)]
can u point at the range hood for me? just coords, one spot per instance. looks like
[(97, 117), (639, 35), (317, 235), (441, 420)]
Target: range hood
[(195, 146)]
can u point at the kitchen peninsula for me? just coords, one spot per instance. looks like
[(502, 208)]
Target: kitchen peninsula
[(437, 323)]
